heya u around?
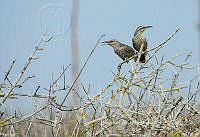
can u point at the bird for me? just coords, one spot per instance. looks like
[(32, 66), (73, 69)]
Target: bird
[(122, 50), (138, 40)]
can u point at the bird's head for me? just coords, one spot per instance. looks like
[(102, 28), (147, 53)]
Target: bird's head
[(110, 42), (141, 29)]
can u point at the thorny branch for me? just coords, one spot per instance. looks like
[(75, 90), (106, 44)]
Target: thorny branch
[(81, 69), (23, 70), (143, 102)]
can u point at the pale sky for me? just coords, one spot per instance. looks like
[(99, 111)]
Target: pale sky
[(22, 24)]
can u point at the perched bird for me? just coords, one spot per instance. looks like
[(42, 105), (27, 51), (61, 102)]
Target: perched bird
[(122, 50), (139, 39)]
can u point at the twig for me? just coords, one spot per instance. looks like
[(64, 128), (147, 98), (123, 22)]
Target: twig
[(6, 76), (27, 95), (63, 72), (81, 70), (36, 112), (23, 70)]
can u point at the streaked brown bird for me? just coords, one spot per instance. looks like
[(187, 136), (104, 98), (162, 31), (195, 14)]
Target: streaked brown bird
[(122, 50), (139, 39)]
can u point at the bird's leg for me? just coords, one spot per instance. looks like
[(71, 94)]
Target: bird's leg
[(126, 60)]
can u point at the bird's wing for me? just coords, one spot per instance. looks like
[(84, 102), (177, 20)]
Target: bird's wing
[(127, 48), (129, 52), (119, 53), (145, 45), (134, 45)]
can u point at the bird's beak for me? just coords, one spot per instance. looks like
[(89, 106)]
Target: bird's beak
[(104, 43), (146, 27)]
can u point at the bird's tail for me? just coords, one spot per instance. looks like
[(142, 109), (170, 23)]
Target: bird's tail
[(142, 58)]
